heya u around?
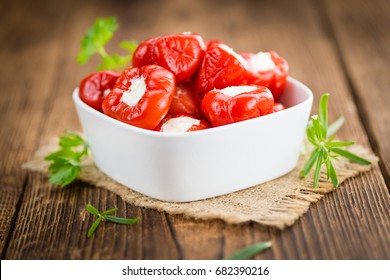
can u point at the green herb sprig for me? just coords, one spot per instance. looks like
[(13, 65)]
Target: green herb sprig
[(104, 216), (97, 36), (326, 148), (65, 162), (250, 251)]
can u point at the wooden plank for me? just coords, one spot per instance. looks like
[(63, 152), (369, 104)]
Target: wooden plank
[(49, 233), (366, 62), (343, 226), (52, 223), (25, 89), (316, 63)]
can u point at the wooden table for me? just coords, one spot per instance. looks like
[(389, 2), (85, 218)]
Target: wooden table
[(341, 47)]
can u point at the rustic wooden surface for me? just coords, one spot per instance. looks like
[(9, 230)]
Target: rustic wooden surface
[(341, 47)]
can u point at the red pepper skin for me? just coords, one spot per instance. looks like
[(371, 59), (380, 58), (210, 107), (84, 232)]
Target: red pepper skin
[(210, 42), (143, 54), (221, 67), (202, 125), (221, 109), (185, 101), (95, 87), (154, 104), (278, 107), (274, 79), (180, 53)]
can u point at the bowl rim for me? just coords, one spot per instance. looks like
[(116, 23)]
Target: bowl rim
[(142, 131)]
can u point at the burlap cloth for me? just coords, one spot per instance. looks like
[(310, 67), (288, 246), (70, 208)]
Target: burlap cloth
[(278, 203)]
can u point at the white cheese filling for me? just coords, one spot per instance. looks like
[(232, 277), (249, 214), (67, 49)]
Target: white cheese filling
[(136, 91), (179, 124), (236, 55), (262, 62), (235, 90)]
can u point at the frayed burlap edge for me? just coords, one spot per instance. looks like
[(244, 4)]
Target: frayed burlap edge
[(278, 203)]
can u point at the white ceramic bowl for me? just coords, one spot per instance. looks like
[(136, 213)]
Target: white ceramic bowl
[(201, 164)]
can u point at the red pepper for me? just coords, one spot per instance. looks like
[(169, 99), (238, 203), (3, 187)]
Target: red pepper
[(143, 55), (141, 96), (221, 67), (181, 123), (210, 42), (185, 102), (268, 69), (278, 107), (95, 87), (180, 53), (236, 103)]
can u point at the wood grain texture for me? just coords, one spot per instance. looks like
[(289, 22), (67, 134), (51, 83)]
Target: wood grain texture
[(43, 222), (23, 95), (362, 30)]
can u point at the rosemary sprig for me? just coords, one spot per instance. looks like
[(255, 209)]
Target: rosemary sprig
[(104, 216), (250, 251), (326, 148)]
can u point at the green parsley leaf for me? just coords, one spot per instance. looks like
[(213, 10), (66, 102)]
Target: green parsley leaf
[(97, 36), (70, 139), (64, 174), (250, 251), (321, 136), (65, 162), (129, 45)]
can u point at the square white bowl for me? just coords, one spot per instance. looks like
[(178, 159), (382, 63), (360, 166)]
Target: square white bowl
[(190, 166)]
